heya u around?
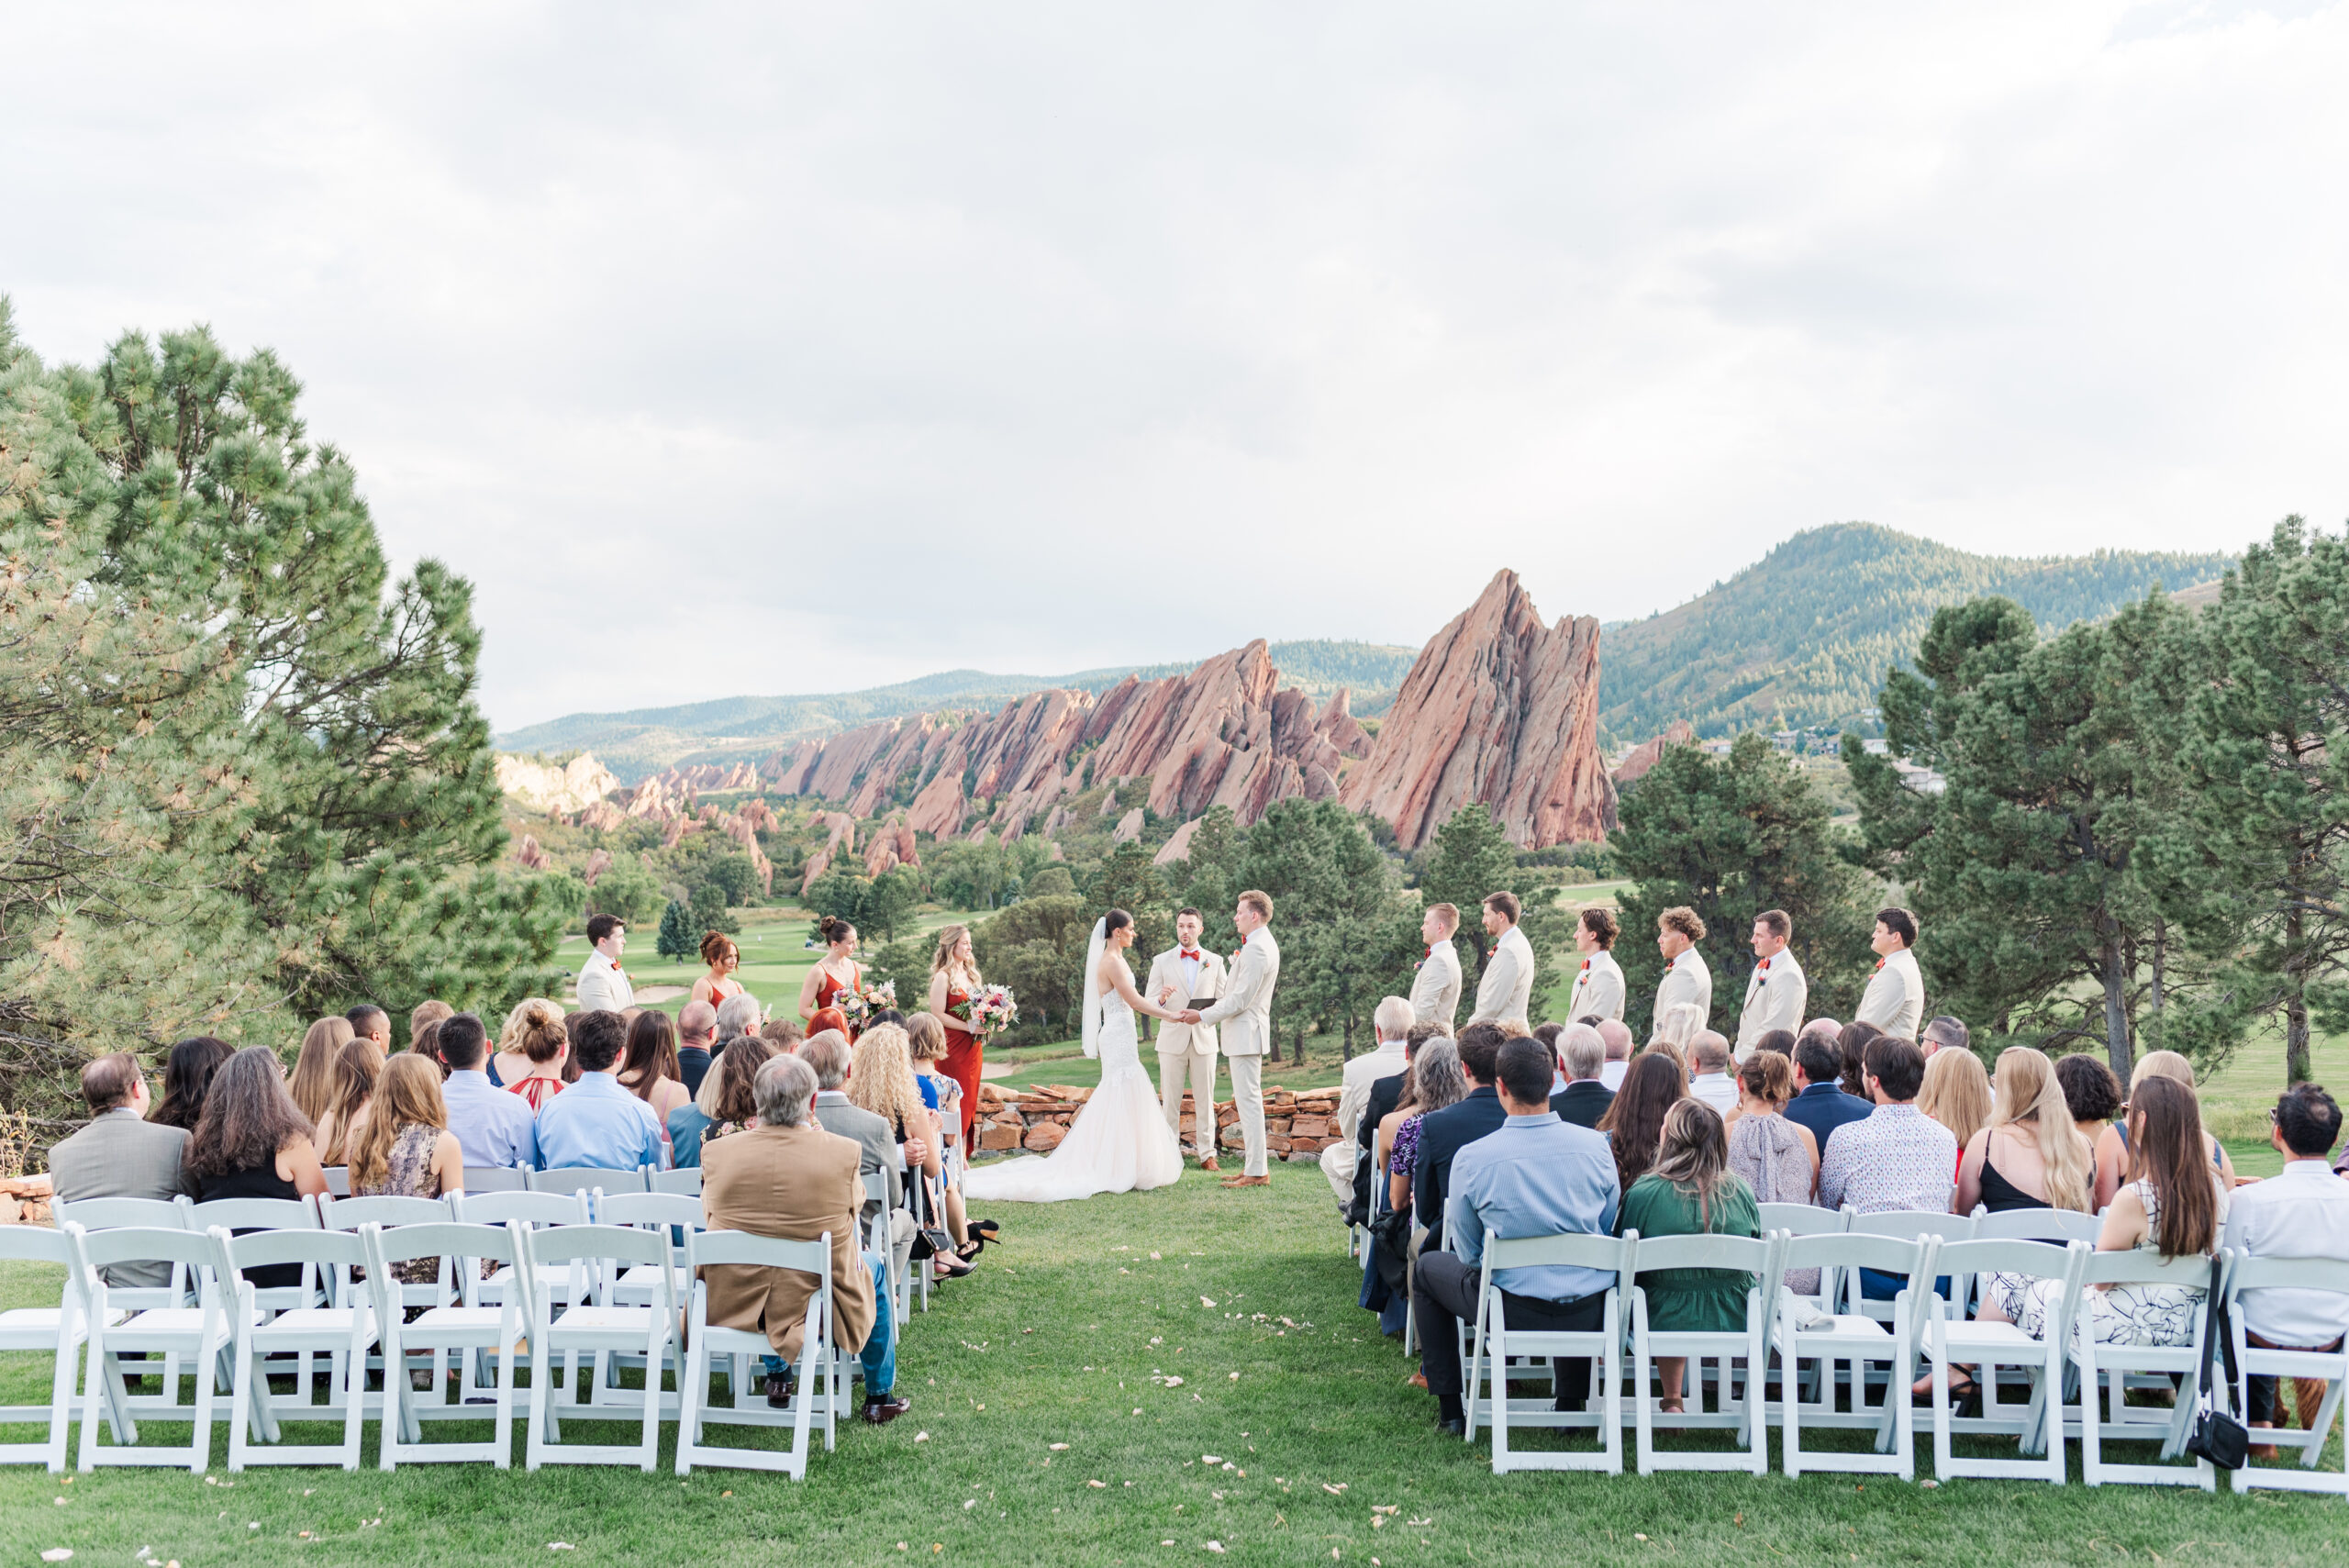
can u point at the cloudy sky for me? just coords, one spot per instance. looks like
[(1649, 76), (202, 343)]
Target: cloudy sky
[(797, 349)]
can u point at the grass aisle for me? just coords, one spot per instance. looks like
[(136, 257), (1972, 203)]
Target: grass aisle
[(1073, 1334)]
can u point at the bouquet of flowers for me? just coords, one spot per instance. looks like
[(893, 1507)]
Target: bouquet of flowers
[(859, 1006), (992, 1011)]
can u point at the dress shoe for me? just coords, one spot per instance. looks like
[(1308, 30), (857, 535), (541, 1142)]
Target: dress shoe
[(1207, 1163), (1453, 1427), (1417, 1380), (781, 1389), (888, 1408), (1249, 1182)]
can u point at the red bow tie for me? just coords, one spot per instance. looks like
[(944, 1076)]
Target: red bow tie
[(1765, 963), (1586, 963), (1426, 952), (1191, 952), (1879, 965)]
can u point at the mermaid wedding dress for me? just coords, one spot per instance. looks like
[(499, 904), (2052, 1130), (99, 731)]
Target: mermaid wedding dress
[(1119, 1141)]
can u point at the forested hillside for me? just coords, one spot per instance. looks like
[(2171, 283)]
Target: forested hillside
[(1803, 636)]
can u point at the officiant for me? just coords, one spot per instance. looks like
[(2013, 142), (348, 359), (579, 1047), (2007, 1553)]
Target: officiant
[(1188, 975)]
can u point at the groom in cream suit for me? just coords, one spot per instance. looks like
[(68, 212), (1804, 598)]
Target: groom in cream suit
[(1247, 1006), (1507, 989), (1190, 973)]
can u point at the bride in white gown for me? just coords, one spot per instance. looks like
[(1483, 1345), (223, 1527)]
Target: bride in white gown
[(1119, 1141)]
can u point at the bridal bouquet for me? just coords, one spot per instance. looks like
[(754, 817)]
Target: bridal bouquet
[(992, 1011), (859, 1006)]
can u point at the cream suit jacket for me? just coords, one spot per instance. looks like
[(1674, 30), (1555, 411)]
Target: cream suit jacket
[(1599, 989), (1895, 999), (1688, 980), (1507, 985), (1435, 989), (1167, 968), (1775, 999), (1247, 1002)]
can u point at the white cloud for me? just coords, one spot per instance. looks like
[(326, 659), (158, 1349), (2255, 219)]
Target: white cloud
[(735, 351)]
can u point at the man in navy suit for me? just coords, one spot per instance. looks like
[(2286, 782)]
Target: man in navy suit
[(1585, 1098), (1822, 1104), (1445, 1133)]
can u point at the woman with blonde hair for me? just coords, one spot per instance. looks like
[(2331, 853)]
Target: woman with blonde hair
[(718, 986), (312, 1084), (881, 1080), (531, 1049), (1690, 1191), (953, 980), (926, 1037), (1956, 1093), (2112, 1143), (406, 1149), (357, 1066)]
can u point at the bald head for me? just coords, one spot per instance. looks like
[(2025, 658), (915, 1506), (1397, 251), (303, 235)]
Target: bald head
[(697, 1021), (1617, 1037)]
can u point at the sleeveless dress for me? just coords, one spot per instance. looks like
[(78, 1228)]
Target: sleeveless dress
[(408, 1174), (825, 990), (1767, 1153), (2126, 1314), (965, 1055), (258, 1181), (1120, 1142)]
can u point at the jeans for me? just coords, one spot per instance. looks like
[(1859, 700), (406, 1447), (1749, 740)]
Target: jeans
[(880, 1353), (1443, 1290), (1877, 1285)]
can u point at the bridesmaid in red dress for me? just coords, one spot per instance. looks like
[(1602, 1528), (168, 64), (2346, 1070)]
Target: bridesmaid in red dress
[(718, 986), (834, 972), (953, 980)]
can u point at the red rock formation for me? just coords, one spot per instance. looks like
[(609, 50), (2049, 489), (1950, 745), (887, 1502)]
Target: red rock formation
[(817, 864), (1647, 753), (598, 865), (893, 845), (1177, 848), (529, 852), (1129, 827), (1499, 710)]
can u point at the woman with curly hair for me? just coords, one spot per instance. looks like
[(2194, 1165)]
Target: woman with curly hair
[(251, 1141), (718, 986), (1435, 1081), (881, 1080)]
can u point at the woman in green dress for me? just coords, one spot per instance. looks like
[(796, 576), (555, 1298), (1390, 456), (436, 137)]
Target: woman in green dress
[(1691, 1191)]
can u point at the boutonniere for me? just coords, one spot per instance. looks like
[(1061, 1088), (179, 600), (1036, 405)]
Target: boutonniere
[(1879, 965)]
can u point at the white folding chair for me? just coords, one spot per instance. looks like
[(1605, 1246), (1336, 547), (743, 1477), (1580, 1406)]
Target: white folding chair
[(1909, 1224), (337, 1180), (1746, 1414), (1854, 1341), (571, 1286), (234, 1214), (495, 1179), (387, 1211), (880, 1235), (2329, 1275), (686, 1180), (61, 1329), (1954, 1339), (1494, 1343), (2106, 1368), (145, 1213), (201, 1334), (672, 1215), (343, 1332), (822, 1371), (590, 1328), (586, 1178), (470, 1330), (2056, 1226)]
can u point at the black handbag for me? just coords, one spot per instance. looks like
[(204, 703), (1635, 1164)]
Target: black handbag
[(2216, 1436), (1390, 1233)]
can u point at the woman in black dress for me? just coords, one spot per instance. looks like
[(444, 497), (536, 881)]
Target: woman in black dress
[(249, 1141)]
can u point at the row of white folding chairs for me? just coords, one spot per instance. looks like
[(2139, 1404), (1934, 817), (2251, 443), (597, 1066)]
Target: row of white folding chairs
[(226, 1337), (1918, 1325), (570, 1178)]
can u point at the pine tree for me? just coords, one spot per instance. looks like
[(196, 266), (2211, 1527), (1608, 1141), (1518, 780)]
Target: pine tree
[(676, 937), (1470, 858)]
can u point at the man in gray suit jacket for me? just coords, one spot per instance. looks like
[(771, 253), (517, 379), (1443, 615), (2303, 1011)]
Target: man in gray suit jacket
[(1435, 989), (1247, 1005), (1506, 991), (121, 1155), (827, 1054)]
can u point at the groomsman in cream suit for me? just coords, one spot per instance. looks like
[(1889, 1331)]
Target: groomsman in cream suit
[(1777, 990), (1686, 977), (1187, 973), (1247, 1006), (1598, 984), (1503, 994), (1435, 989), (1895, 998)]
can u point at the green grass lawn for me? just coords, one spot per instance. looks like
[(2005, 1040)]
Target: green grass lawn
[(775, 958), (1247, 1299)]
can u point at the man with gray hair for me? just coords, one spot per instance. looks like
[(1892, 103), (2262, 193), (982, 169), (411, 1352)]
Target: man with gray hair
[(1709, 1078), (697, 1032), (828, 1055), (789, 1178), (1582, 1056), (1617, 1036), (1390, 1023), (738, 1014), (1944, 1033)]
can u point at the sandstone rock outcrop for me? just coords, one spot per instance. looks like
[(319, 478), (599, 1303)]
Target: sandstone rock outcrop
[(598, 865), (892, 846), (529, 852), (1128, 828), (1177, 848), (576, 786), (1501, 711), (1647, 753)]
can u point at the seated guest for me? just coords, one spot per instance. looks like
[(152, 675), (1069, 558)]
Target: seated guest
[(1709, 1078), (737, 1016), (119, 1154), (1385, 1095), (312, 1084), (1533, 1175), (697, 1032), (881, 1081), (827, 1056), (1898, 1158), (492, 1128), (783, 1034), (369, 1021), (1851, 1047), (432, 1011), (1445, 1133), (547, 1068), (2302, 1213), (512, 1061), (2175, 1204), (1617, 1036), (926, 1037), (426, 1043), (1437, 1082), (2091, 1093), (1676, 1029), (1819, 1105), (1581, 1055), (2028, 1154), (725, 1103), (1956, 1093), (188, 1076), (251, 1142), (649, 1070), (595, 1122), (1635, 1123), (2112, 1145), (1691, 1191), (1776, 1157), (355, 1071), (1392, 1023), (789, 1178), (1944, 1033), (407, 1149)]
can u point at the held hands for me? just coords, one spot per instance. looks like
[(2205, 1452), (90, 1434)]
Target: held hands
[(1187, 1015)]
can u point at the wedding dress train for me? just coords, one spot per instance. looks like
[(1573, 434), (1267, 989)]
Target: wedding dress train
[(1119, 1141)]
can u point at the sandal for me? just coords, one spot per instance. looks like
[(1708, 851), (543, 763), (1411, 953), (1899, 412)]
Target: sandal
[(940, 1266), (969, 1250)]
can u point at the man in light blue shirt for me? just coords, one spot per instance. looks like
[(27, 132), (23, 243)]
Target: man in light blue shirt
[(596, 1122), (493, 1127), (1536, 1176)]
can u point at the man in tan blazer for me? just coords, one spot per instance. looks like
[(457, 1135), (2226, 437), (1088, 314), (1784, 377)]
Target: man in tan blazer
[(1686, 977), (1895, 998), (1247, 1006), (1777, 990), (1506, 991), (1598, 984), (1185, 974), (788, 1178), (1435, 988)]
